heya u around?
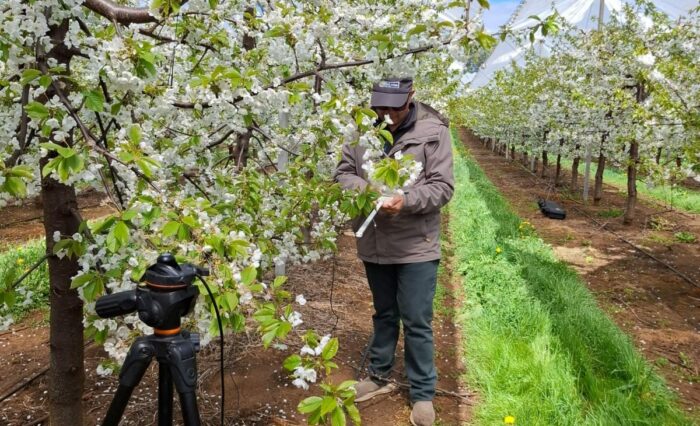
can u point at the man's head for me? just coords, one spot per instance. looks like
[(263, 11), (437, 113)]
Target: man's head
[(392, 97)]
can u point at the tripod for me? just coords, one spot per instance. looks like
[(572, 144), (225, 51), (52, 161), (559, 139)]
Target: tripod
[(176, 364), (165, 295)]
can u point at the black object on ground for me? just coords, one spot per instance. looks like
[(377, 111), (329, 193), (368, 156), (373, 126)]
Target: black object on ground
[(551, 209)]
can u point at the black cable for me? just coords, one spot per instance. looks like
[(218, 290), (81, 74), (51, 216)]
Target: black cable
[(221, 346), (29, 271), (337, 318)]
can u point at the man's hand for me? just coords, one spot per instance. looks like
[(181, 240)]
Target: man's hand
[(393, 205)]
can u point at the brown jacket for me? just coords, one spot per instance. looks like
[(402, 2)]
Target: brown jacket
[(413, 234)]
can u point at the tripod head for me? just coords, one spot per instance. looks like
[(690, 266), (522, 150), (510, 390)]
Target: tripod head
[(164, 295)]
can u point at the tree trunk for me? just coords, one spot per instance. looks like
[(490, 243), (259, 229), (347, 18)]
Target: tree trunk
[(598, 190), (66, 373), (574, 171), (632, 167), (512, 152), (631, 183), (60, 208), (557, 173), (241, 150), (535, 163), (545, 163), (658, 155), (525, 162), (574, 174)]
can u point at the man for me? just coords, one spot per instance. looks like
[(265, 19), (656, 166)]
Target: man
[(401, 249)]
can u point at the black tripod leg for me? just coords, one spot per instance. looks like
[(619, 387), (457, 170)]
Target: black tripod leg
[(183, 366), (134, 367), (165, 396)]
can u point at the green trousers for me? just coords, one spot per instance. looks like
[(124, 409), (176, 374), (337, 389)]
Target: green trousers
[(404, 293)]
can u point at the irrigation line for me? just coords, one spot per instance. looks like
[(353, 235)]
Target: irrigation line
[(603, 226), (438, 391), (33, 218), (22, 384), (26, 274)]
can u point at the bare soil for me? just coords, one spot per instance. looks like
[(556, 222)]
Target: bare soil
[(258, 391), (654, 305), (25, 222)]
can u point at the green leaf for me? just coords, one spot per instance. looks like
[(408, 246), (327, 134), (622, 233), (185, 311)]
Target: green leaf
[(15, 186), (248, 275), (171, 228), (310, 404), (36, 111), (279, 281), (338, 417), (268, 337), (346, 385), (231, 300), (129, 214), (183, 232), (354, 413), (276, 31), (387, 136), (328, 404), (29, 75), (485, 40), (45, 81), (484, 4), (121, 233), (102, 225), (330, 349), (21, 171), (94, 100), (63, 151), (416, 30), (135, 134), (81, 280), (292, 362)]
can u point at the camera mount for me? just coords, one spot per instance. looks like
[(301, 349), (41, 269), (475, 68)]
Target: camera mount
[(163, 297)]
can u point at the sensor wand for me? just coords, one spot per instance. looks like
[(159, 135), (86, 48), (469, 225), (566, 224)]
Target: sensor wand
[(360, 232)]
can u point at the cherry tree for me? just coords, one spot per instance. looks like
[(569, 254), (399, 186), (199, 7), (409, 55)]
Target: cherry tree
[(212, 127)]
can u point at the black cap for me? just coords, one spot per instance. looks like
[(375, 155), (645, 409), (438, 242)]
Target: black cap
[(391, 92)]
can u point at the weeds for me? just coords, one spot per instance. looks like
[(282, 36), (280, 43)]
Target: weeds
[(32, 292), (537, 345), (685, 237)]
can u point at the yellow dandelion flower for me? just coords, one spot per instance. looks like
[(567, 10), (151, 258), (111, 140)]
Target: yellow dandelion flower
[(20, 261), (509, 420), (498, 250)]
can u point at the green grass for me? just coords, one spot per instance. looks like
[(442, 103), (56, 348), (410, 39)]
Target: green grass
[(678, 197), (611, 213), (537, 345), (33, 291)]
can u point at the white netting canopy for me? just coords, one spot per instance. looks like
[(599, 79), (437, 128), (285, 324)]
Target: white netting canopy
[(582, 14)]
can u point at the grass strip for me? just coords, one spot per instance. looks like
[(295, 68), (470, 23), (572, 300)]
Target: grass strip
[(538, 347), (677, 196), (32, 292)]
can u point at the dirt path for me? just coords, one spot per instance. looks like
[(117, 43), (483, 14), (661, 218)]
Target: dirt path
[(21, 223), (660, 310), (257, 391)]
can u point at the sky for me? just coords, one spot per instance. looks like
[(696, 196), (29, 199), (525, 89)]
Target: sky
[(499, 13)]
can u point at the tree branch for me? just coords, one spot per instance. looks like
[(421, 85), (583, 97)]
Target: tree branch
[(123, 14), (22, 133), (319, 69)]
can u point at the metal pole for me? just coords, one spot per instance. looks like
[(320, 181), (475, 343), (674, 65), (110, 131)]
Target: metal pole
[(587, 173)]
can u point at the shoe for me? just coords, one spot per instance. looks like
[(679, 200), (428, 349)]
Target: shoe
[(423, 414), (368, 389)]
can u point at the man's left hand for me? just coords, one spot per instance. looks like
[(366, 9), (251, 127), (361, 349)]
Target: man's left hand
[(393, 205)]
